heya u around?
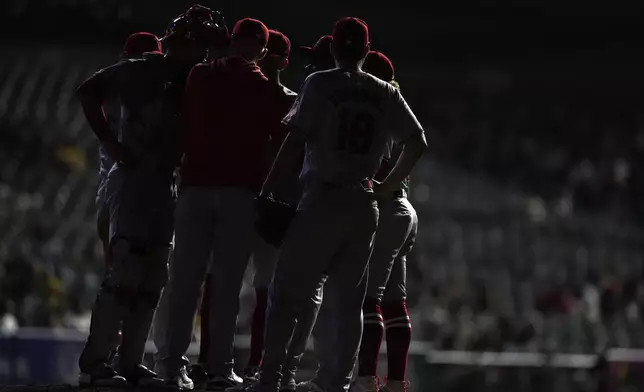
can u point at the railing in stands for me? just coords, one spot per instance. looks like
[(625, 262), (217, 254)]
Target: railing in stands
[(40, 355)]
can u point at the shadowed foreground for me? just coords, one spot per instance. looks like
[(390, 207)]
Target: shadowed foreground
[(70, 388)]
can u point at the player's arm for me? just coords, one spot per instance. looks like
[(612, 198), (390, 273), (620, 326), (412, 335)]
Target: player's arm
[(409, 135), (287, 162), (91, 94), (301, 127)]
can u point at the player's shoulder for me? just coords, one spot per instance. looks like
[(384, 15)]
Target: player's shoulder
[(320, 77), (385, 91), (112, 68), (104, 77), (379, 83), (201, 69), (126, 67)]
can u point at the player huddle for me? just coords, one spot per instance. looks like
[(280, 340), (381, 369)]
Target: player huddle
[(202, 147)]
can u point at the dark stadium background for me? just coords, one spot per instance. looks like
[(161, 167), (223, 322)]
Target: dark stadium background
[(530, 201)]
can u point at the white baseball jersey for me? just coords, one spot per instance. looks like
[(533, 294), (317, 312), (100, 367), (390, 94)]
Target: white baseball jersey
[(348, 119)]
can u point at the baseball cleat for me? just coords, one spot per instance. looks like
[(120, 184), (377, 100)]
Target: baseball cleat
[(101, 375), (288, 385), (308, 386), (366, 384), (179, 380), (143, 377), (251, 376), (224, 382), (395, 386), (198, 375)]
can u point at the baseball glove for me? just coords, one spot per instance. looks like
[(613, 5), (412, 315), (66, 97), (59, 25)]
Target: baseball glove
[(273, 219)]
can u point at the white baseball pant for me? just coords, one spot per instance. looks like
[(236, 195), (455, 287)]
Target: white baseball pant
[(218, 220), (332, 236), (141, 203)]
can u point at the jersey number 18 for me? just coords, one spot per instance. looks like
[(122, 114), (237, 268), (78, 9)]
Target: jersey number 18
[(355, 134)]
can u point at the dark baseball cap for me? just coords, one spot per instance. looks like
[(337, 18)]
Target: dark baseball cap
[(351, 33), (141, 42), (379, 65), (322, 46), (319, 55), (278, 44), (251, 28)]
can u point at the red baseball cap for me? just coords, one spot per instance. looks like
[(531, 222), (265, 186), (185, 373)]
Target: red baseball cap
[(351, 32), (278, 44), (141, 42), (379, 65), (251, 28)]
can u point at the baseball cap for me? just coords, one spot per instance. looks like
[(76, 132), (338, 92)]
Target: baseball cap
[(141, 42), (320, 54), (251, 28), (321, 47), (278, 44), (379, 65), (350, 32)]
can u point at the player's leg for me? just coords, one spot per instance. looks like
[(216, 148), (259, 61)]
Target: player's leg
[(350, 273), (264, 259), (325, 339), (160, 320), (204, 340), (204, 322), (103, 230), (138, 320), (394, 226), (396, 317), (110, 306), (143, 233), (308, 247), (233, 239), (154, 219), (303, 330), (194, 232), (197, 371)]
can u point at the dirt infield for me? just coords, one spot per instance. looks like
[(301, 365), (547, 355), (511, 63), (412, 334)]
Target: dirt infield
[(70, 388), (39, 388)]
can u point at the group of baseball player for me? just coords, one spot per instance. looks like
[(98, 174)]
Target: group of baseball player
[(208, 163)]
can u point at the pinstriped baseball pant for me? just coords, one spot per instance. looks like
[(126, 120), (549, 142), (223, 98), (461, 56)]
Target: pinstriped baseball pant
[(332, 236), (395, 236)]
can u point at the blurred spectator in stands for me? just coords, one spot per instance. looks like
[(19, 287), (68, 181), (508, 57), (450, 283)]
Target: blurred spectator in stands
[(609, 299), (8, 321), (18, 282)]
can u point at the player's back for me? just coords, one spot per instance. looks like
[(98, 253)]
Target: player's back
[(230, 111), (350, 129)]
